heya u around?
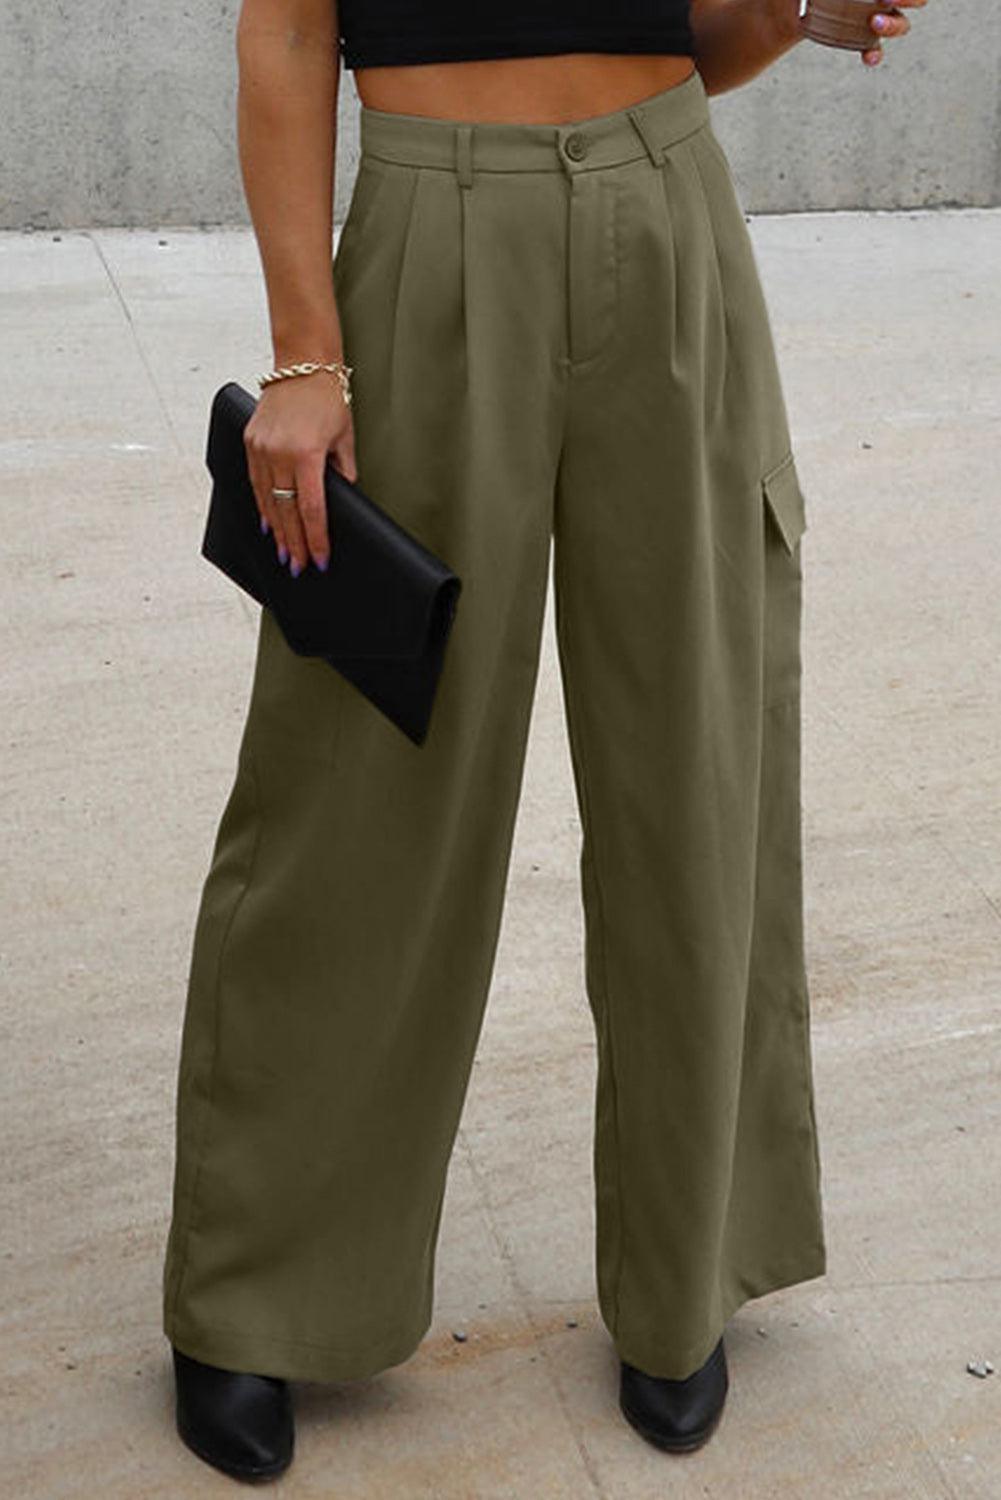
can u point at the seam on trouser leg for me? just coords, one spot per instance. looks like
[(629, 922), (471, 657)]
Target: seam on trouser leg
[(187, 1216), (607, 1022), (792, 708), (606, 1009)]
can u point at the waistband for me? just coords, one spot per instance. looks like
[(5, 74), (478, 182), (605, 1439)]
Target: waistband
[(648, 127)]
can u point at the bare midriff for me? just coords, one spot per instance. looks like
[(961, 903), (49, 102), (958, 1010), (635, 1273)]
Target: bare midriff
[(545, 90)]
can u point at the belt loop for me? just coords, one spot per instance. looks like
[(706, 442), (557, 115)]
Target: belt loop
[(464, 154), (654, 151)]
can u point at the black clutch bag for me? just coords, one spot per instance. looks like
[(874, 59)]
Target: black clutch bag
[(381, 614)]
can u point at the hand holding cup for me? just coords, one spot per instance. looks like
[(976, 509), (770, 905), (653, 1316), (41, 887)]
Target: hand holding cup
[(858, 25)]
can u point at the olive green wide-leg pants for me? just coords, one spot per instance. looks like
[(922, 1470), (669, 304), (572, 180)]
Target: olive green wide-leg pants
[(558, 335)]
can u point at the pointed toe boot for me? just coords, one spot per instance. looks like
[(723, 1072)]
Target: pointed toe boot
[(239, 1423), (678, 1415)]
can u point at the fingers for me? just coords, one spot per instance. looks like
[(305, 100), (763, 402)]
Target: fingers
[(282, 516), (295, 537), (270, 510), (299, 526), (312, 513), (887, 24)]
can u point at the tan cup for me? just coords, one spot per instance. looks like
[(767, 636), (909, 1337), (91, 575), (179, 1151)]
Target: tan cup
[(841, 23)]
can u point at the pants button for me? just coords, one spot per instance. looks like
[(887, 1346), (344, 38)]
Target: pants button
[(575, 146)]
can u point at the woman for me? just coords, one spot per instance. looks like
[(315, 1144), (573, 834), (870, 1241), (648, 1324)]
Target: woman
[(549, 304)]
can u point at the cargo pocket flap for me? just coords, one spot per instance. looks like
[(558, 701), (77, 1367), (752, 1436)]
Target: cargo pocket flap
[(786, 502)]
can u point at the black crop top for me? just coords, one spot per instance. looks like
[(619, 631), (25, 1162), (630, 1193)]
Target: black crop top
[(380, 32)]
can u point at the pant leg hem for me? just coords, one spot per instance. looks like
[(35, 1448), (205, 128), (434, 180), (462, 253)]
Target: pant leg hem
[(291, 1359), (675, 1364)]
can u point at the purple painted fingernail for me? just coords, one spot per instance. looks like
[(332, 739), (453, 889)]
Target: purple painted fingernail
[(323, 564), (294, 567), (282, 554), (264, 525)]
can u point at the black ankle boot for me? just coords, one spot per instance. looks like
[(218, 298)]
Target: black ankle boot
[(675, 1414), (240, 1423)]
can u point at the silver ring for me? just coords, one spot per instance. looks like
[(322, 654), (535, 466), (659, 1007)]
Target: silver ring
[(284, 494)]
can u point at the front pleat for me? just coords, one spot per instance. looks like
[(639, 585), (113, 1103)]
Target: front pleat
[(465, 271), (406, 283), (669, 263), (429, 310), (700, 309)]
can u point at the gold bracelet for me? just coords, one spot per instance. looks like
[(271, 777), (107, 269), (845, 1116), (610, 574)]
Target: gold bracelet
[(285, 372)]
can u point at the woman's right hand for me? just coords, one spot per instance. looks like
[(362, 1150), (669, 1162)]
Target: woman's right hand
[(296, 424)]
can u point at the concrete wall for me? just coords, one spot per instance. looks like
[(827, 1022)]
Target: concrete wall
[(122, 112)]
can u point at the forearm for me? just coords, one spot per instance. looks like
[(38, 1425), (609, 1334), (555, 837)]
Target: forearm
[(286, 127), (737, 39)]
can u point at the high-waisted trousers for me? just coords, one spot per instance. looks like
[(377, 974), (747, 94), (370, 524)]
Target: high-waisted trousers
[(558, 338)]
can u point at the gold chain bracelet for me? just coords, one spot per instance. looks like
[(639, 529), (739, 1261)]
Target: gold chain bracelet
[(286, 372)]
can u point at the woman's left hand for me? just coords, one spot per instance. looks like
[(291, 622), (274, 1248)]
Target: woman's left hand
[(886, 24)]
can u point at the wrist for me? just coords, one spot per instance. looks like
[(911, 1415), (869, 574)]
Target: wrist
[(317, 339), (298, 351)]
